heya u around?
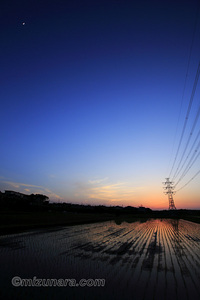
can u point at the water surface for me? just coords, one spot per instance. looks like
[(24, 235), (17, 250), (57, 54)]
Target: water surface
[(156, 259)]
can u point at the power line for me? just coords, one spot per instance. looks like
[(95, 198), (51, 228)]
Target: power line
[(186, 76), (196, 154), (190, 164), (187, 115), (188, 141), (198, 134), (189, 181)]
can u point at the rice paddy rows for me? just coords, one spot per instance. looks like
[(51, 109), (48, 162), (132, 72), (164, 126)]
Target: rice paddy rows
[(156, 259)]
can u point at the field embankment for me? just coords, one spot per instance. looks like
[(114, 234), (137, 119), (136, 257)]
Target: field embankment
[(13, 222)]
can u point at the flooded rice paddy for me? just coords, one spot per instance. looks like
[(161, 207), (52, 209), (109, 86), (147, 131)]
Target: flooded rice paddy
[(153, 259)]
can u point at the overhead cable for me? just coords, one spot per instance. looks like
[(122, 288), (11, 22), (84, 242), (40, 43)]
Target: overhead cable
[(189, 181), (188, 141), (187, 115)]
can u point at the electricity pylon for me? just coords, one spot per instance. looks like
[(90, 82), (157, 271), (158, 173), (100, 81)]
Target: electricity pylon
[(169, 191)]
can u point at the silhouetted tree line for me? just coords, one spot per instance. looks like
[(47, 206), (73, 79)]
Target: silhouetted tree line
[(17, 201), (117, 210), (12, 200)]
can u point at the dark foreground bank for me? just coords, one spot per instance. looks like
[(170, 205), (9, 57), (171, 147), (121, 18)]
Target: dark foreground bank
[(19, 221)]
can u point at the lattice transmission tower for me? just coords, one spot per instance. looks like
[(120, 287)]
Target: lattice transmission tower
[(169, 191)]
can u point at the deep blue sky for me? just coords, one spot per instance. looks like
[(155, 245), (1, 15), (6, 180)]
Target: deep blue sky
[(90, 97)]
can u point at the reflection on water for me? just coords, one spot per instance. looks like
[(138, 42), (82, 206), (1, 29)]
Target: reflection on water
[(153, 259)]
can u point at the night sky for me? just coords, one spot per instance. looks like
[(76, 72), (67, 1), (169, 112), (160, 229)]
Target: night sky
[(94, 96)]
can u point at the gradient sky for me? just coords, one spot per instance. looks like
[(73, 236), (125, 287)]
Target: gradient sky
[(91, 94)]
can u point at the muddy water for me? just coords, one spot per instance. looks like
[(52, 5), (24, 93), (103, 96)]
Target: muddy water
[(156, 259)]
